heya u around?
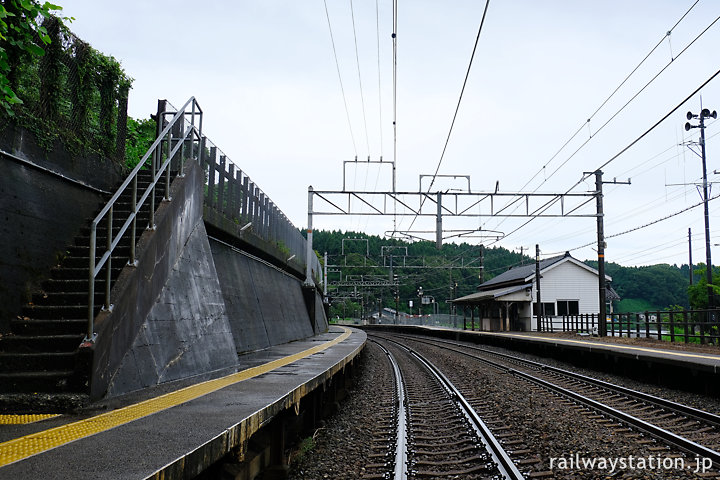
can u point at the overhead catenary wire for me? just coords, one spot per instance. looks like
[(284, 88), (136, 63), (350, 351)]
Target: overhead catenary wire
[(640, 209), (457, 107), (636, 95), (342, 88), (640, 227), (583, 125), (622, 151), (573, 154), (362, 95)]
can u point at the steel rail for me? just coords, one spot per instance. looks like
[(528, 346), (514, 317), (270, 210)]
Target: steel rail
[(686, 410), (666, 436), (504, 463), (400, 471)]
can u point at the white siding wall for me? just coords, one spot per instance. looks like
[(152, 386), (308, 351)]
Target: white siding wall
[(570, 282)]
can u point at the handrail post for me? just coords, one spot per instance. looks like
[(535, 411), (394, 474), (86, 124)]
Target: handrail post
[(91, 285), (169, 166), (133, 233), (108, 266)]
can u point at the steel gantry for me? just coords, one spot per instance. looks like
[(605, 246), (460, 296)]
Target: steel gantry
[(460, 204)]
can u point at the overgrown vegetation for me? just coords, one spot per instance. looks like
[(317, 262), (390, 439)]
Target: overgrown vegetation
[(57, 86), (140, 136)]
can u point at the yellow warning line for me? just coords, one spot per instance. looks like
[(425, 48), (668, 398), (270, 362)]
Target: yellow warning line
[(607, 345), (23, 447), (23, 419)]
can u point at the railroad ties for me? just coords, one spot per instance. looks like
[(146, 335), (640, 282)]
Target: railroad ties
[(662, 428), (442, 436)]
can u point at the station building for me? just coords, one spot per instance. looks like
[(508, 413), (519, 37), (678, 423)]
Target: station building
[(568, 287)]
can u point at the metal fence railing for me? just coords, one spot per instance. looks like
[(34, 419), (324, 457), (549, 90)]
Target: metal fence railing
[(231, 192), (687, 326), (228, 191)]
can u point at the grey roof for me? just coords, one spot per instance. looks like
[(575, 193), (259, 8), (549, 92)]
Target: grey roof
[(521, 273), (611, 294), (498, 292)]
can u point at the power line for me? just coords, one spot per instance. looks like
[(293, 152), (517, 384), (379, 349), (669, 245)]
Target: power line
[(712, 77), (457, 107), (667, 217), (585, 176), (362, 96), (616, 114), (582, 126), (634, 97), (342, 88), (462, 91)]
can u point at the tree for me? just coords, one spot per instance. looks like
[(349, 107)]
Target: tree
[(698, 292), (20, 29)]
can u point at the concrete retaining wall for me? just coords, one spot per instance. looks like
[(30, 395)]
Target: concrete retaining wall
[(264, 304), (187, 331), (45, 198), (138, 288), (39, 215)]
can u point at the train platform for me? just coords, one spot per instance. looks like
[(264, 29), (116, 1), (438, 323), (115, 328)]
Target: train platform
[(692, 368), (176, 432)]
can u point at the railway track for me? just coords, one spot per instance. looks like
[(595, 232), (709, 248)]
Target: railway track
[(693, 431), (437, 434)]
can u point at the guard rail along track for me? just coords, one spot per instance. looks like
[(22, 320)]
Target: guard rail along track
[(438, 434)]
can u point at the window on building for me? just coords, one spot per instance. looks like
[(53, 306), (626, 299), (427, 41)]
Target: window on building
[(568, 307), (548, 309)]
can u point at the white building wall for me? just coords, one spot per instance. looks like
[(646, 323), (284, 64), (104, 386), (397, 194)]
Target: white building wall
[(570, 282)]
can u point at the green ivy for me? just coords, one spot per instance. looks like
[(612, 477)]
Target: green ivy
[(19, 31), (140, 136), (57, 86)]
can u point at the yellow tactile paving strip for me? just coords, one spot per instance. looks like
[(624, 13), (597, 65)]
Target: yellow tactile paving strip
[(23, 419), (608, 345), (23, 447)]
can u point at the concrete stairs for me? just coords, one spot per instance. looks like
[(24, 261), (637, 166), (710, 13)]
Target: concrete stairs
[(40, 353)]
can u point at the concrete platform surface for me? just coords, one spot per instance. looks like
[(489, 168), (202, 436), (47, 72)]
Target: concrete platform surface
[(178, 429), (656, 352)]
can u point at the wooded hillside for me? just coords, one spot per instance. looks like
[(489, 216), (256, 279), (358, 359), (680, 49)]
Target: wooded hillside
[(356, 256)]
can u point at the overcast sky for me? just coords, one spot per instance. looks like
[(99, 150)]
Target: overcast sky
[(266, 78)]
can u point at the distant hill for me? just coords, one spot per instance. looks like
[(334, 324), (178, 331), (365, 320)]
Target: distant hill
[(653, 287)]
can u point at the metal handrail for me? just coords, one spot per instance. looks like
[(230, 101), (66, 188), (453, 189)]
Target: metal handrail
[(107, 210), (271, 222)]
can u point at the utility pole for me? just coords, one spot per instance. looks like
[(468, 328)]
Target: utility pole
[(690, 264), (537, 281), (704, 113), (602, 320), (325, 281), (602, 287), (482, 264)]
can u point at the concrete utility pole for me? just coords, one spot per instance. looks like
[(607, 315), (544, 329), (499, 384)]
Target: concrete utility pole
[(602, 314), (690, 264), (537, 281), (704, 113), (482, 264), (602, 287)]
